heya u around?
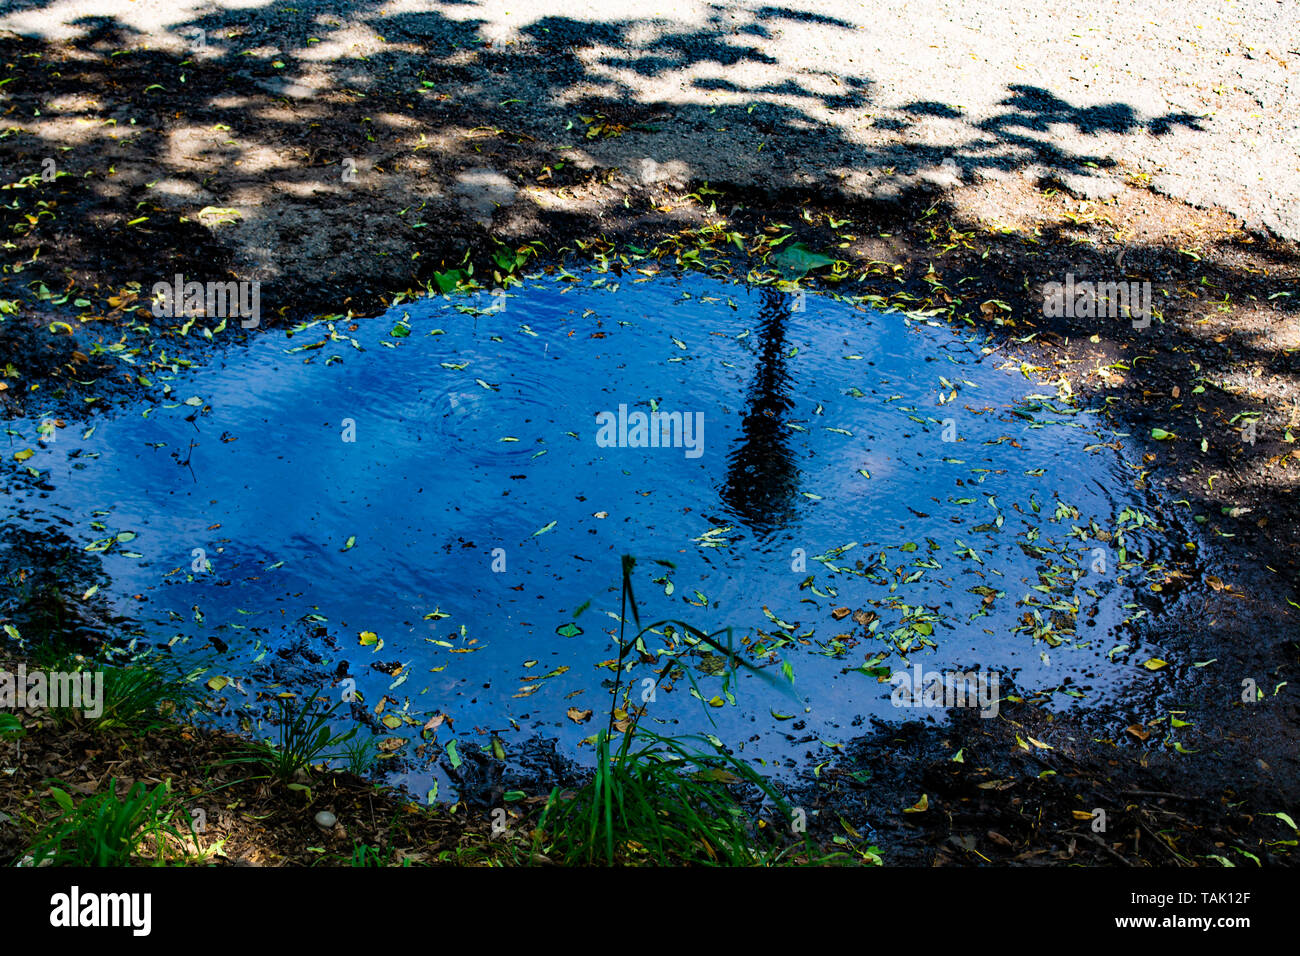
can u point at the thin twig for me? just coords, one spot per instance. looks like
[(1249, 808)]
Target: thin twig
[(1161, 793)]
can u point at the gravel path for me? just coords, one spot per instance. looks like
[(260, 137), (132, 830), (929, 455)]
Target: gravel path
[(1198, 99)]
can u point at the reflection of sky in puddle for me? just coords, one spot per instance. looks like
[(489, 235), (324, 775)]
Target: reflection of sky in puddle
[(475, 443)]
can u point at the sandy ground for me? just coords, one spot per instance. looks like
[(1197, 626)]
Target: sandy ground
[(1198, 99)]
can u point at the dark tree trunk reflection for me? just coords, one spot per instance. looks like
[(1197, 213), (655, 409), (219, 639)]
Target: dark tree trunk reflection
[(762, 478)]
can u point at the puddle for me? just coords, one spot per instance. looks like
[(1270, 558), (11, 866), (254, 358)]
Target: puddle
[(430, 496)]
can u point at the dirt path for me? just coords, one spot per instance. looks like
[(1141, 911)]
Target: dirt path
[(341, 153), (867, 98)]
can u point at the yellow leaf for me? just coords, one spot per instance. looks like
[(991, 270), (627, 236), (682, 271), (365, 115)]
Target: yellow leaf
[(23, 455), (921, 805), (1155, 664), (216, 683), (716, 775)]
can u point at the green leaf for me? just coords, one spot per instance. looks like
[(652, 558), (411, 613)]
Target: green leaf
[(801, 259)]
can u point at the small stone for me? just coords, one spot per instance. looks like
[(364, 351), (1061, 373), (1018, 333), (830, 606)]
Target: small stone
[(326, 820)]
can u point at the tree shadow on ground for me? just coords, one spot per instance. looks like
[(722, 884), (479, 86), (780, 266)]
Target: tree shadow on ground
[(599, 131)]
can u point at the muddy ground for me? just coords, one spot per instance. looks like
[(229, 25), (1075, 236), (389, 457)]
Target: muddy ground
[(237, 167)]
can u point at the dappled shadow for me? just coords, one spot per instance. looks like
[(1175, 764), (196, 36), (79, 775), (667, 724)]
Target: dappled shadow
[(264, 108), (337, 168), (232, 158)]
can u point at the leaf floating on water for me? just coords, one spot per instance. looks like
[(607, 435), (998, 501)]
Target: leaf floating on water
[(433, 723), (1155, 664), (578, 716), (452, 755), (713, 538), (776, 620), (545, 528), (568, 630), (23, 455), (368, 638), (347, 545), (216, 683)]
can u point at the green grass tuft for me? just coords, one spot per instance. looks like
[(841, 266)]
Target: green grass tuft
[(105, 830)]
